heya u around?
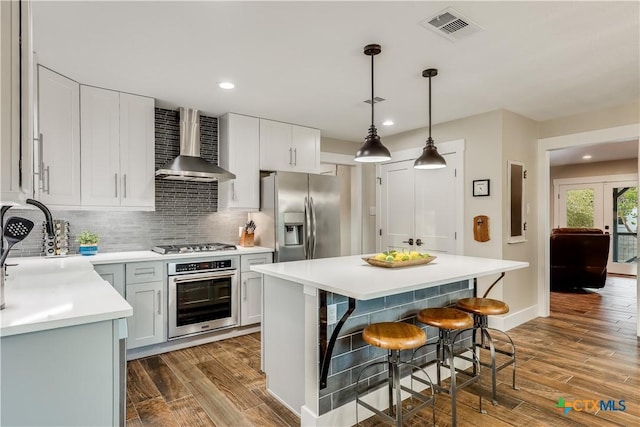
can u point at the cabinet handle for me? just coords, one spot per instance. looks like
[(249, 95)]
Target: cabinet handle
[(48, 180), (159, 303), (244, 292), (410, 241), (290, 157), (295, 157), (41, 158), (116, 183), (124, 185), (419, 242), (233, 191)]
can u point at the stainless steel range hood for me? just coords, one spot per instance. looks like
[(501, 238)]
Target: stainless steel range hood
[(189, 166)]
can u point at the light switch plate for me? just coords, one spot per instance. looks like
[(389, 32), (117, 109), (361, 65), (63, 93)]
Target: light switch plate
[(332, 314), (372, 210)]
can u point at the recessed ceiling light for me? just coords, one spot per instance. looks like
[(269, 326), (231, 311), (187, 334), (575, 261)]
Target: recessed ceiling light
[(586, 156), (387, 123), (226, 85)]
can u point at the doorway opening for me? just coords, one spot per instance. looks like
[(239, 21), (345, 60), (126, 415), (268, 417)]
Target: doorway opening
[(545, 147)]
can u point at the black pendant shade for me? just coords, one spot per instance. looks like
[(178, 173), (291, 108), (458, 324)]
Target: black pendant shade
[(372, 149), (430, 158)]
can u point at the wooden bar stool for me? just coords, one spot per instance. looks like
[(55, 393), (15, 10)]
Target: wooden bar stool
[(451, 323), (481, 308), (395, 336)]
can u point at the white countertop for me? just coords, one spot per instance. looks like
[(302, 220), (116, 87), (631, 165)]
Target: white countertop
[(353, 277), (49, 293), (44, 293), (140, 256)]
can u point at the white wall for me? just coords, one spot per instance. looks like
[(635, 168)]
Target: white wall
[(520, 143)]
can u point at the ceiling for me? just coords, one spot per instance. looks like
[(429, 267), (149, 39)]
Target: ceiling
[(303, 62), (599, 153)]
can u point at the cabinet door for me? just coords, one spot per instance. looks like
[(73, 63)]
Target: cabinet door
[(146, 326), (246, 261), (114, 274), (240, 153), (100, 136), (306, 149), (59, 149), (276, 153), (251, 298), (137, 151)]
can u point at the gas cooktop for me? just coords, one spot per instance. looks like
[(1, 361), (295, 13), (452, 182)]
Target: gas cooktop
[(190, 248)]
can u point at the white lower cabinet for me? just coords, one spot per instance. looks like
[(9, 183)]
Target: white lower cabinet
[(69, 376), (114, 274), (251, 304), (145, 292), (251, 288)]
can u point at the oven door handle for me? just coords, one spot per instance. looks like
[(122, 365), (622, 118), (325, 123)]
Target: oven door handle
[(191, 278)]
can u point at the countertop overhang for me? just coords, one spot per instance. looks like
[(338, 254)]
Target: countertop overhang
[(50, 293), (353, 277)]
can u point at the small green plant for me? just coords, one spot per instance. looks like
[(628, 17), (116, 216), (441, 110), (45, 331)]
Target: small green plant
[(87, 238)]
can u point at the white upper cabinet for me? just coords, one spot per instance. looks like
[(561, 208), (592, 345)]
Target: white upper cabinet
[(16, 106), (58, 159), (239, 153), (287, 147), (306, 149), (117, 142), (137, 150)]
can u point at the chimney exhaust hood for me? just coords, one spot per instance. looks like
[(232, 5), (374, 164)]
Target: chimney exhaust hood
[(189, 166)]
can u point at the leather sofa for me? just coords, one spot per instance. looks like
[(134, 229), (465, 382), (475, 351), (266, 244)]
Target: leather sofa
[(578, 258)]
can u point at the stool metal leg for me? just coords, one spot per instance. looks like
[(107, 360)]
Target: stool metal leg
[(486, 342)]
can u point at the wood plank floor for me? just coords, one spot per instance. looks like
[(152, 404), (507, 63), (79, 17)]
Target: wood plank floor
[(586, 350)]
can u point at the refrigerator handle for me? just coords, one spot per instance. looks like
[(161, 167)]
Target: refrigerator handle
[(305, 244), (312, 249)]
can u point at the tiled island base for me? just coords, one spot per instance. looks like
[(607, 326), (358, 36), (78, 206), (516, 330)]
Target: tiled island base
[(291, 344), (351, 353)]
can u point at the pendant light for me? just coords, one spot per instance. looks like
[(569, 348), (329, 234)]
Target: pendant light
[(430, 159), (372, 150)]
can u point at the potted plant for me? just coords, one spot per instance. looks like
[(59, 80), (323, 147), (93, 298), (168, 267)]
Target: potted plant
[(88, 243)]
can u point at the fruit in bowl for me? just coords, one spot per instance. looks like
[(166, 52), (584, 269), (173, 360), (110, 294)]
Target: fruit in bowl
[(395, 256)]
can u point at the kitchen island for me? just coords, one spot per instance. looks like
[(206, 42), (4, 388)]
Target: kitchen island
[(313, 374), (62, 345)]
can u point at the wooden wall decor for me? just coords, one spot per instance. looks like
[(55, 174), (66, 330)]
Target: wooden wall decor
[(481, 228)]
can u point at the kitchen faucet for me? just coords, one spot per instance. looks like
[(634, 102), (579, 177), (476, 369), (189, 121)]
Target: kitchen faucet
[(37, 204)]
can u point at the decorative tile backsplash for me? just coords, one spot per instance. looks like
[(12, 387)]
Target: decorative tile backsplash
[(185, 211), (351, 353)]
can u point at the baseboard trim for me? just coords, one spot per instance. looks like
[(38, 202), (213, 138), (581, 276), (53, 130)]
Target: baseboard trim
[(511, 320)]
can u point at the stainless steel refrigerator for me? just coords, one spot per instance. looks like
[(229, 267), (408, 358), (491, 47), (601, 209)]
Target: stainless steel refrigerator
[(299, 216)]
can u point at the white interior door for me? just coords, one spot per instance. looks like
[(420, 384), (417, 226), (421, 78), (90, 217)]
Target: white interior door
[(436, 207), (580, 205), (396, 205), (621, 219), (419, 208)]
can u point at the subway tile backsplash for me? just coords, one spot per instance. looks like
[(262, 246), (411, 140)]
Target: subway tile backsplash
[(185, 211), (351, 353)]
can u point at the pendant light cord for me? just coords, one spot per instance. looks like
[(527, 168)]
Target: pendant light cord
[(372, 102), (429, 106)]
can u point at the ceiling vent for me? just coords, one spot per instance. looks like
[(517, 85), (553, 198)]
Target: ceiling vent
[(375, 100), (451, 25)]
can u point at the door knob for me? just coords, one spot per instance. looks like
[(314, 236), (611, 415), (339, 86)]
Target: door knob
[(410, 241), (419, 242)]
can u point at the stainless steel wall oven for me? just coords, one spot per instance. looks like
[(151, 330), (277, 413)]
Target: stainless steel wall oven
[(203, 295)]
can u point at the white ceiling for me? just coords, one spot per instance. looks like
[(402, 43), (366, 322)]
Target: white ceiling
[(302, 62), (598, 153)]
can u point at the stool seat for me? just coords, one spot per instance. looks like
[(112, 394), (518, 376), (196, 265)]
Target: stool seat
[(394, 335), (483, 306), (445, 318)]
